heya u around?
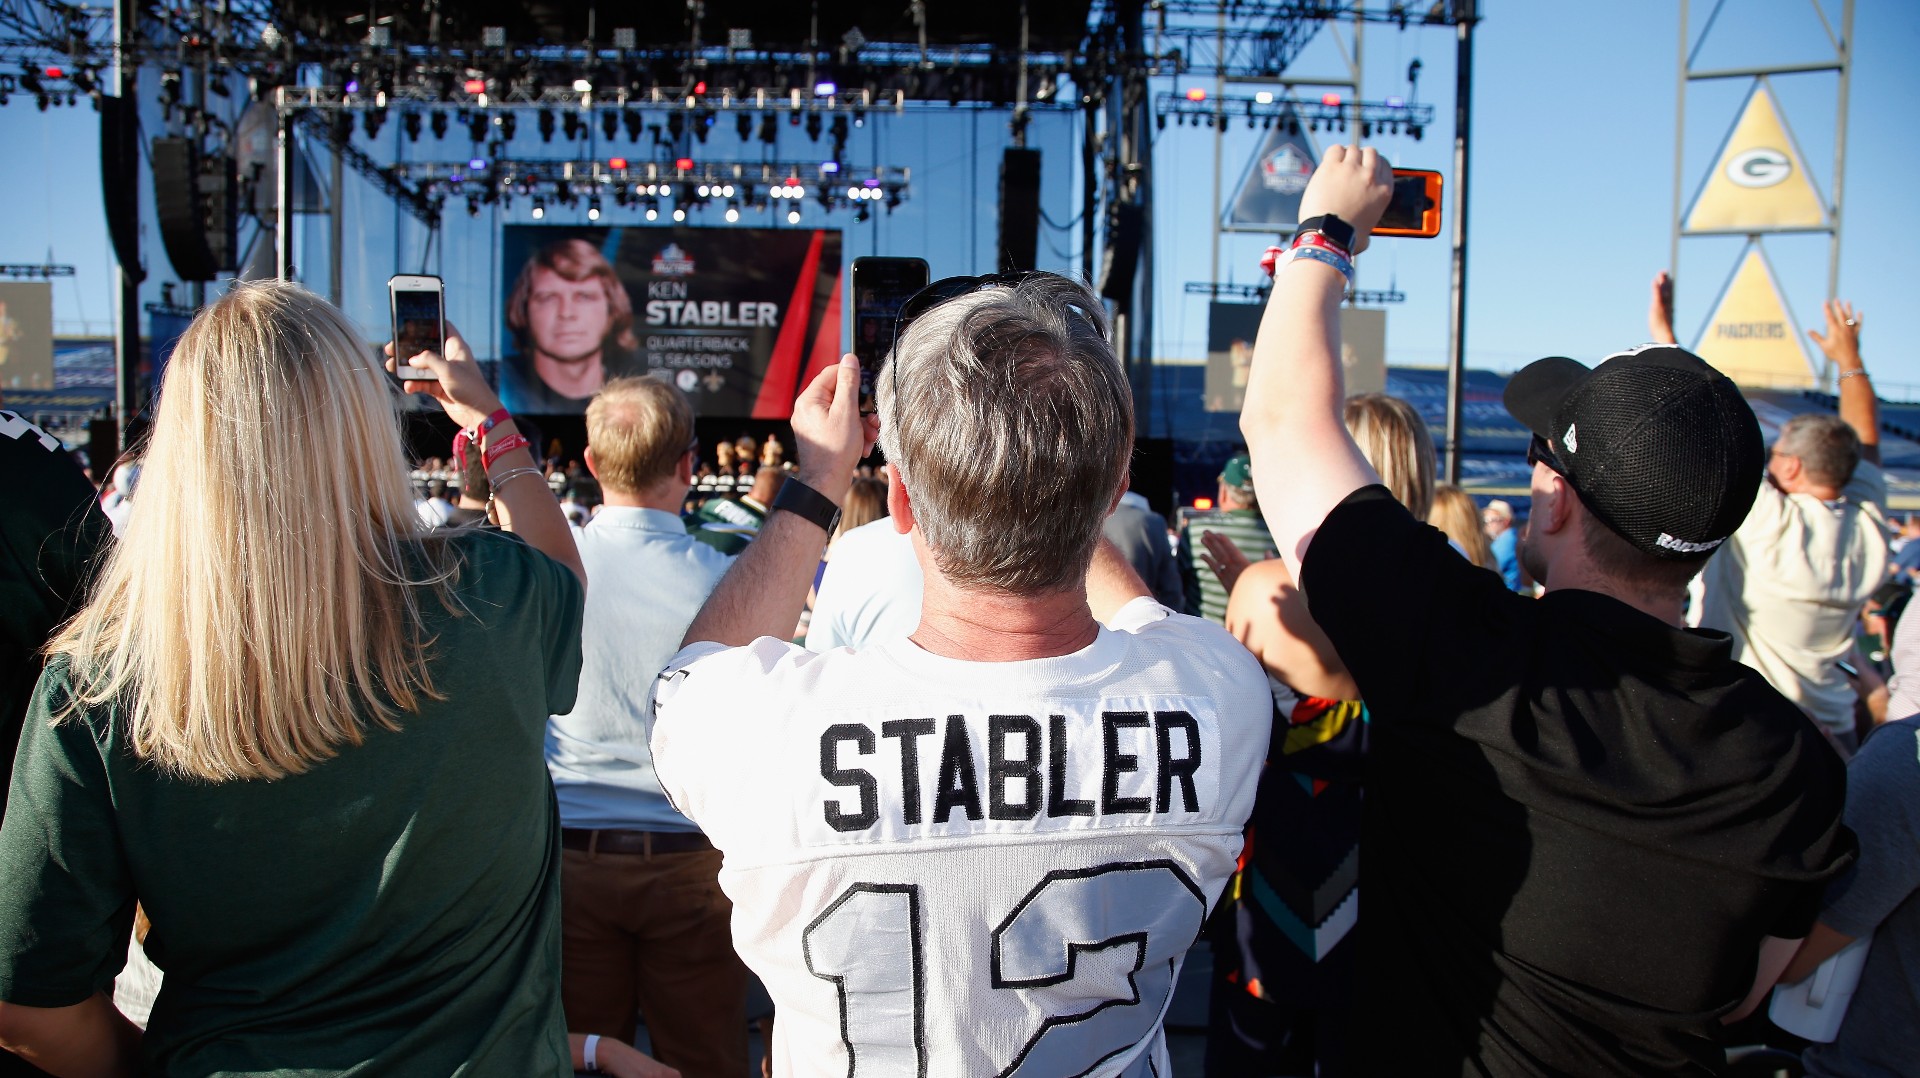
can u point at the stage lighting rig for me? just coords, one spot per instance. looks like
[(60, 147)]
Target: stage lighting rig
[(770, 128), (539, 209), (576, 127), (676, 126), (371, 120), (410, 123), (634, 122), (813, 126), (743, 123), (593, 209), (547, 124), (506, 127), (609, 124), (477, 127), (438, 122)]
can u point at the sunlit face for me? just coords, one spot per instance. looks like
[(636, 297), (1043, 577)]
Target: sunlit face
[(568, 320)]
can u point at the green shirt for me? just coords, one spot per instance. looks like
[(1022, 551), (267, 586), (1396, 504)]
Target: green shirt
[(393, 911), (1205, 597)]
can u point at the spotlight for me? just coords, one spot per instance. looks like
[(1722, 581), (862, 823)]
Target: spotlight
[(410, 123), (733, 212), (477, 127), (703, 191), (653, 210), (634, 123), (439, 123), (546, 125), (769, 128), (576, 127), (473, 206), (813, 126), (582, 86), (676, 124), (507, 124), (371, 120), (793, 216), (725, 190), (475, 87), (838, 129), (539, 209), (610, 124), (593, 209), (743, 123), (702, 123), (679, 214)]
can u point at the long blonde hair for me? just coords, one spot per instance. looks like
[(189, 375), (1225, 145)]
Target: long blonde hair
[(263, 603), (1459, 519), (1395, 440)]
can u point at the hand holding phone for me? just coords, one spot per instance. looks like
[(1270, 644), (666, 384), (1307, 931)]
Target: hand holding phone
[(1414, 208), (881, 286), (418, 302), (454, 380)]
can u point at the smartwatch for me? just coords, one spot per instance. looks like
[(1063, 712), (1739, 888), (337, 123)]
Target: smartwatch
[(1330, 226), (807, 503)]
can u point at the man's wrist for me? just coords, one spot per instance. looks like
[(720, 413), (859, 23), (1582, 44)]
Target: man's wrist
[(808, 502), (831, 487)]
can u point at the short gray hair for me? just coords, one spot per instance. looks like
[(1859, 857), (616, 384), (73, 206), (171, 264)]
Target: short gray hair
[(1826, 446), (1013, 431)]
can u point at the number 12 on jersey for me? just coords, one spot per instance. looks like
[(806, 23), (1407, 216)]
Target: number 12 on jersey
[(1097, 946)]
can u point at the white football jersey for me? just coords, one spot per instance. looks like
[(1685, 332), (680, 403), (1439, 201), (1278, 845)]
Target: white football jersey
[(959, 869)]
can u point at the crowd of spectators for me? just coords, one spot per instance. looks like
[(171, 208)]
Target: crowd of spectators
[(484, 763)]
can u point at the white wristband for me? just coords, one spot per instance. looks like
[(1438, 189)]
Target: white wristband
[(590, 1053)]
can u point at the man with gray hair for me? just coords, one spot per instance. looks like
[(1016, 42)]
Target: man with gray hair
[(984, 848), (1790, 584)]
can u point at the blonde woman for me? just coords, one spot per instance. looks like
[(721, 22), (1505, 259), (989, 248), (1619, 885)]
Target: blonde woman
[(303, 733), (1455, 514), (1272, 994)]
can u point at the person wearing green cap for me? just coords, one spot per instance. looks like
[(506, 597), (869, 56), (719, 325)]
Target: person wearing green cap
[(1237, 518)]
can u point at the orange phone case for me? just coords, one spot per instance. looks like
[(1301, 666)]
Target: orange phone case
[(1430, 219)]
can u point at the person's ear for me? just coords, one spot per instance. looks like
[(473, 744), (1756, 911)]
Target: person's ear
[(899, 504), (1560, 508), (1791, 467), (588, 457)]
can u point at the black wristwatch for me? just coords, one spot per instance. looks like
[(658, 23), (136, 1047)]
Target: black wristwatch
[(1330, 226), (807, 503)]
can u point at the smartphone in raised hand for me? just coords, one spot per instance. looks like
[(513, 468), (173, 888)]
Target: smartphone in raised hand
[(419, 309), (1414, 209), (880, 287)]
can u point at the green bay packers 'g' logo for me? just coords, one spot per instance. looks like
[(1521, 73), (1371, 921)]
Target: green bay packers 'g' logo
[(1759, 168)]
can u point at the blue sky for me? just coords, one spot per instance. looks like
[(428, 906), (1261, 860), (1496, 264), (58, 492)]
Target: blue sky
[(1571, 188)]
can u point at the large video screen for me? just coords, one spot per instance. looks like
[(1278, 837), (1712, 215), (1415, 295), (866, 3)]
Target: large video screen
[(738, 318)]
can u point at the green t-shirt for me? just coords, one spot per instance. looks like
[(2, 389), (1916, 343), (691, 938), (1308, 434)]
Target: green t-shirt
[(393, 911)]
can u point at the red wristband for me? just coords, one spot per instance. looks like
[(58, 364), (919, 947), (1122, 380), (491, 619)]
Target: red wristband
[(504, 446), (1317, 239)]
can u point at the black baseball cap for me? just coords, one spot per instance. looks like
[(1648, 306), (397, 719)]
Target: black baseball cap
[(1660, 447)]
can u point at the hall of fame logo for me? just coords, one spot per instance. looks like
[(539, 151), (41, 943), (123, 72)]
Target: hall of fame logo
[(1286, 170), (673, 262)]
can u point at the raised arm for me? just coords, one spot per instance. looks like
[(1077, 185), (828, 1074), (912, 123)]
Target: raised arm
[(763, 591), (1295, 391), (1859, 405), (526, 505)]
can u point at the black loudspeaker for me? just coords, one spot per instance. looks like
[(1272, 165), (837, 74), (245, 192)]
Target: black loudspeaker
[(1019, 209), (194, 199), (1122, 259)]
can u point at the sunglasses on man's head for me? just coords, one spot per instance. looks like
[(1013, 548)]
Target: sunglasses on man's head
[(940, 292)]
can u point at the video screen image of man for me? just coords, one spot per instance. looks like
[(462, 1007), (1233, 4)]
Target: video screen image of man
[(572, 325)]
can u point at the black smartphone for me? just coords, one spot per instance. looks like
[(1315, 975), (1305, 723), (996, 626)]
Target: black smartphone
[(881, 286), (419, 303), (1415, 208)]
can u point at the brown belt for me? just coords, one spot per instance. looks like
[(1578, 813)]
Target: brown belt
[(645, 843)]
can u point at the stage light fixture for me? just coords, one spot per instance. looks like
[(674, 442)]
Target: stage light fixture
[(477, 164), (593, 209), (733, 212), (679, 214), (859, 117), (1264, 97), (539, 209), (1160, 122), (769, 128), (371, 120), (743, 123), (609, 124), (634, 124), (838, 129), (507, 124), (702, 190), (726, 190), (475, 87), (1415, 130), (676, 124), (576, 127), (1331, 100), (582, 86), (824, 88), (1196, 95), (410, 123), (473, 206), (813, 126), (666, 191), (653, 212), (547, 124), (861, 216), (617, 163), (438, 122)]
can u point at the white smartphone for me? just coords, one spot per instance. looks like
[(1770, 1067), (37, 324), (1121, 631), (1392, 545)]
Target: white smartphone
[(419, 303)]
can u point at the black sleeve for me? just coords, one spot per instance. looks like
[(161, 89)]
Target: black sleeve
[(1402, 607)]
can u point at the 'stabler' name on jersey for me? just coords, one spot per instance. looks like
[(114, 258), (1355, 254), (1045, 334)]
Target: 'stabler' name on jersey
[(892, 779)]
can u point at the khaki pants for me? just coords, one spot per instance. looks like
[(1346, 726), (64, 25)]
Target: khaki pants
[(649, 935)]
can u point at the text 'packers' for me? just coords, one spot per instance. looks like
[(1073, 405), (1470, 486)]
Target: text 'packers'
[(1027, 774)]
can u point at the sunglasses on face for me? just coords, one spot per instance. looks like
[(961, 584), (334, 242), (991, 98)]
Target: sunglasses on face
[(1539, 452)]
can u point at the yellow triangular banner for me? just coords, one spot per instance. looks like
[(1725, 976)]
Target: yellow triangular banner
[(1759, 183), (1751, 338)]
